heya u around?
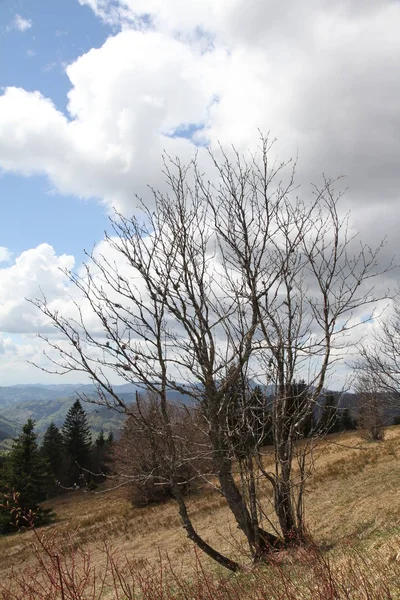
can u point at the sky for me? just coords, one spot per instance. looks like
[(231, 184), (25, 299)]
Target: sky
[(93, 91)]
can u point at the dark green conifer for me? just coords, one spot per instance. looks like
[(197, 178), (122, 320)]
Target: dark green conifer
[(53, 454), (101, 456), (329, 422), (77, 444), (347, 421), (26, 475)]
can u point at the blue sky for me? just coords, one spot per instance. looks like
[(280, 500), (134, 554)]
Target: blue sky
[(32, 210), (93, 91)]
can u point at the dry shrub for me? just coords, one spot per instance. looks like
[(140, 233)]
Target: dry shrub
[(61, 571), (144, 460), (372, 404)]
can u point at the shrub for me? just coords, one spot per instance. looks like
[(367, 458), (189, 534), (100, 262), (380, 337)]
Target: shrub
[(144, 461)]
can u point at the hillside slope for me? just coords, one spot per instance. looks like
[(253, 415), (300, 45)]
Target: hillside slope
[(353, 498)]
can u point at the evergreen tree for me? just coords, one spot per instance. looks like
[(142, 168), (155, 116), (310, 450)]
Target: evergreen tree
[(25, 473), (299, 405), (328, 421), (347, 421), (100, 441), (101, 456), (99, 452), (53, 454), (77, 443)]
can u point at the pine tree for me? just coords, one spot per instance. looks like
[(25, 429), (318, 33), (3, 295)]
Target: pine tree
[(299, 405), (25, 473), (98, 454), (101, 456), (328, 422), (77, 443), (347, 421), (53, 454)]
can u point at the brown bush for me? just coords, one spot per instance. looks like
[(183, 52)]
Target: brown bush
[(143, 459)]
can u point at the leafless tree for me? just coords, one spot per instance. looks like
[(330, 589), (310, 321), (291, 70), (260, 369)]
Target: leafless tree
[(379, 361), (221, 283), (372, 404), (141, 460)]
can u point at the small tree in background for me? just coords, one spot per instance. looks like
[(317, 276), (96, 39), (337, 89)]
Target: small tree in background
[(329, 420), (371, 404), (144, 459), (53, 453), (26, 481), (77, 443), (347, 420), (379, 363), (101, 456)]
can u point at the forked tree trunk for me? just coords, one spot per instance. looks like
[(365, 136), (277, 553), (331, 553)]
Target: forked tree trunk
[(260, 541), (197, 539)]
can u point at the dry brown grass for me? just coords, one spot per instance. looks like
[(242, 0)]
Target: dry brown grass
[(302, 574), (354, 496)]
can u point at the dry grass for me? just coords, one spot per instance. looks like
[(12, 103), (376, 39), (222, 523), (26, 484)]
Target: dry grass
[(354, 497), (68, 573)]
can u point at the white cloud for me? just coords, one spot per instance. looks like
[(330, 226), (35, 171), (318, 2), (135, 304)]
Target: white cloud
[(126, 98), (16, 354), (322, 76), (35, 272), (39, 272), (5, 254), (20, 24)]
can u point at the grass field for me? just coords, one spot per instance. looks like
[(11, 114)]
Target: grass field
[(352, 513)]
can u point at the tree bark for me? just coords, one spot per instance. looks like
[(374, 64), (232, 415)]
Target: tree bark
[(197, 539)]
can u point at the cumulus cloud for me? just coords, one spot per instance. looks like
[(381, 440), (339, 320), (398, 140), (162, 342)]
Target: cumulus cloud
[(5, 254), (35, 272), (39, 272), (321, 76), (20, 24), (126, 101), (16, 356)]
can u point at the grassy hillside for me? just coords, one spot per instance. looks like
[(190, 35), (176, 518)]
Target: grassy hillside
[(352, 505)]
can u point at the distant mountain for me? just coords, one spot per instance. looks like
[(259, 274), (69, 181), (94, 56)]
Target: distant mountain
[(18, 393), (50, 403), (43, 412), (8, 429), (47, 403)]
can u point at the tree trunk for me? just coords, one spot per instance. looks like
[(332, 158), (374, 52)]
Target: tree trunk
[(292, 529), (260, 541), (197, 539)]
